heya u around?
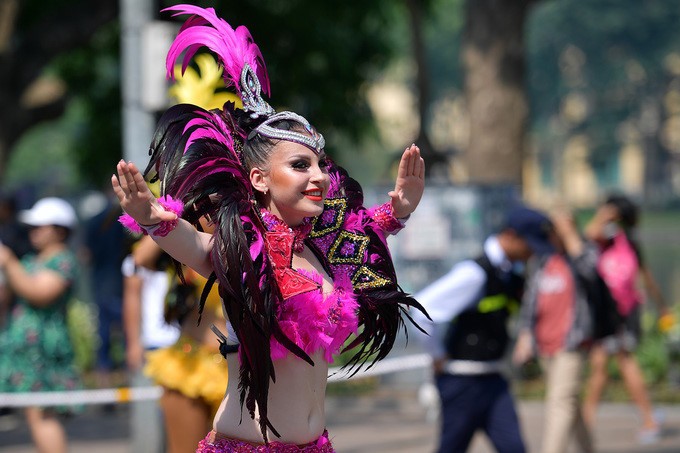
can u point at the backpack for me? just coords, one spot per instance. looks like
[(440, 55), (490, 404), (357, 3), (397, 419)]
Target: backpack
[(603, 307), (619, 266)]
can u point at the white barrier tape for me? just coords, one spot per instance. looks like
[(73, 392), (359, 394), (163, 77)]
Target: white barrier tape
[(77, 397), (385, 366), (128, 394)]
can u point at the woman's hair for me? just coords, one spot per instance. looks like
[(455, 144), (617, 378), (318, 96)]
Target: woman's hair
[(257, 148), (629, 213)]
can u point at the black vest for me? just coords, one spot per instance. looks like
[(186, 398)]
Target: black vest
[(480, 333)]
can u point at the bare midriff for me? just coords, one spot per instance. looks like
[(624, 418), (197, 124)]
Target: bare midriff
[(295, 408)]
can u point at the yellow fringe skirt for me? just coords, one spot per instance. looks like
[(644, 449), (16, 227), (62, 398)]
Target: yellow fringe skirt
[(191, 369)]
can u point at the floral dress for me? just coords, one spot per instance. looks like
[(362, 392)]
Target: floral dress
[(36, 350)]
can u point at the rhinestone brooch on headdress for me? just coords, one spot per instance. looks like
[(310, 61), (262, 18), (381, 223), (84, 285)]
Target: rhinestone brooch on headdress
[(258, 107), (251, 94)]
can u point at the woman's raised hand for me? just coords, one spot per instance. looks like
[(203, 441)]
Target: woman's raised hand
[(135, 197), (410, 184)]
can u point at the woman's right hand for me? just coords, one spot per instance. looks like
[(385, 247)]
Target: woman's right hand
[(524, 349), (135, 197)]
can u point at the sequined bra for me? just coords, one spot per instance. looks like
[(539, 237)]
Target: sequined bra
[(313, 320), (316, 321)]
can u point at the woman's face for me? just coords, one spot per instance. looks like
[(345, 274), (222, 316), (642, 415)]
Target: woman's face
[(45, 235), (295, 183)]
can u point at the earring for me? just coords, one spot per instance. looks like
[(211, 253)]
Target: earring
[(265, 191)]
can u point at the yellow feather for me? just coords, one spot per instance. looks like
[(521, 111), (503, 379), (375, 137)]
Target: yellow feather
[(200, 87)]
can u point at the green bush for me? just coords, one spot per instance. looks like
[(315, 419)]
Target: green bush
[(82, 324), (652, 353)]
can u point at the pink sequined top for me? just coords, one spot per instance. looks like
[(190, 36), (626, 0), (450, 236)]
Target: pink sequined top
[(314, 320)]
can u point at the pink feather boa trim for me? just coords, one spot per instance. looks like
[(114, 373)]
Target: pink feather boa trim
[(317, 321), (169, 203)]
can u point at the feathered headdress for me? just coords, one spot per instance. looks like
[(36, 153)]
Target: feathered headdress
[(234, 48), (244, 69)]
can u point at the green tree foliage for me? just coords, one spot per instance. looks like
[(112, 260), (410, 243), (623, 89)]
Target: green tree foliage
[(319, 56), (32, 34), (92, 73), (443, 34), (610, 54)]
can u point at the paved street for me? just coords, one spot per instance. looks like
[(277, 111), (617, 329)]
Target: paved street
[(388, 421)]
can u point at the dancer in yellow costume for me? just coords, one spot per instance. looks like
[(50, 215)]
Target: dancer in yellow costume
[(192, 372)]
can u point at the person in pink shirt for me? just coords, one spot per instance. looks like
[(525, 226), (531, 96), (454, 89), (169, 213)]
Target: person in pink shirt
[(621, 265)]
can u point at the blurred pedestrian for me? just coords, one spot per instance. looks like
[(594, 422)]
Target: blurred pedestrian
[(37, 354), (468, 337), (145, 292), (621, 264), (192, 371), (556, 324), (107, 243)]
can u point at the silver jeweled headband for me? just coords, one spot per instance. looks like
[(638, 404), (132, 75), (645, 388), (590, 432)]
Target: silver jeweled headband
[(253, 103)]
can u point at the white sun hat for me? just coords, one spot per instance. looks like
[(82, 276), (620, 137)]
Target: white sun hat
[(50, 211)]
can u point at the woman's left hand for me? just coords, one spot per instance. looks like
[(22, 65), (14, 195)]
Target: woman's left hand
[(410, 184)]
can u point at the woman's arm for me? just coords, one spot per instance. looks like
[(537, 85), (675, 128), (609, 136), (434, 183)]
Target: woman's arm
[(39, 289), (184, 243), (132, 319), (595, 230), (565, 228)]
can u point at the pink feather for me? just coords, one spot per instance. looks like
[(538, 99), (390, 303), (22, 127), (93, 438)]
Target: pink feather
[(234, 48), (169, 203), (131, 224)]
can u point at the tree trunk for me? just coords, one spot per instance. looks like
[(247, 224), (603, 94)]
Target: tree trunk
[(494, 60), (436, 161)]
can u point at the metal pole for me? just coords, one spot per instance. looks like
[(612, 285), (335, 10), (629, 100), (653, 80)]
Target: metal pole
[(138, 123), (138, 126)]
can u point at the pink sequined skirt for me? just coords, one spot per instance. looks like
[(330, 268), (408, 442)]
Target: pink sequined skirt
[(217, 443)]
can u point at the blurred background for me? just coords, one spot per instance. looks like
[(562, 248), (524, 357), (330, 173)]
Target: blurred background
[(564, 99), (554, 102)]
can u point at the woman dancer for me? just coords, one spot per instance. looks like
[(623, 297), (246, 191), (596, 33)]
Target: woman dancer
[(301, 264)]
